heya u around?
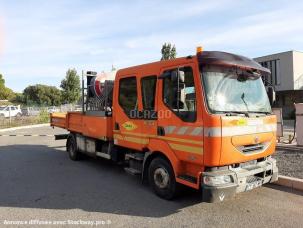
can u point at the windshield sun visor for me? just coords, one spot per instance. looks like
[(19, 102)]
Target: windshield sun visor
[(231, 60)]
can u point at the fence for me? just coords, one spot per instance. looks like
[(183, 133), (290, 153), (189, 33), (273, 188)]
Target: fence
[(13, 116)]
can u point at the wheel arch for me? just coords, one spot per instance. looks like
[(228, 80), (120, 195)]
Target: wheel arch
[(149, 156)]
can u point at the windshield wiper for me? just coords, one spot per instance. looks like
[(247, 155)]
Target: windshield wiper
[(267, 113), (232, 113), (242, 98)]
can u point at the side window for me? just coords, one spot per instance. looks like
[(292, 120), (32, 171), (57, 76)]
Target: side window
[(128, 94), (148, 87), (179, 93)]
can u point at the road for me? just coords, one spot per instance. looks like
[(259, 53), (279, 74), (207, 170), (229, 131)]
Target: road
[(39, 182)]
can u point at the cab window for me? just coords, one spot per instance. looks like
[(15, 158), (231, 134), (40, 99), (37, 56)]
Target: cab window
[(148, 86), (179, 93), (128, 98)]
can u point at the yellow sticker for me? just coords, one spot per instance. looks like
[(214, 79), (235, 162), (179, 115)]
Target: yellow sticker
[(242, 122), (129, 126)]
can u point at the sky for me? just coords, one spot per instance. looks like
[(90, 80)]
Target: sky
[(41, 40)]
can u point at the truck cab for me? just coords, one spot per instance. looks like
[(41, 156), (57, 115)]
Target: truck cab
[(208, 116), (203, 121)]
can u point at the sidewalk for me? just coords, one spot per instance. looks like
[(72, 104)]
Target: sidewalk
[(288, 132), (293, 147)]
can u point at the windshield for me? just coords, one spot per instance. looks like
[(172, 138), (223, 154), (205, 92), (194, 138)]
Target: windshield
[(228, 91), (2, 108)]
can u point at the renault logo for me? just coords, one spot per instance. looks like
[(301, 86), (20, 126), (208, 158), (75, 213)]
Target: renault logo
[(256, 139)]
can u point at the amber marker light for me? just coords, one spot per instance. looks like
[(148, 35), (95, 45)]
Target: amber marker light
[(199, 49)]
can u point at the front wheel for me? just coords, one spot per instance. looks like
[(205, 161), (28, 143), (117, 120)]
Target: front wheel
[(162, 178), (71, 147)]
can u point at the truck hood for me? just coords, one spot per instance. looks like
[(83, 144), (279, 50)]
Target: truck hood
[(245, 139), (239, 139)]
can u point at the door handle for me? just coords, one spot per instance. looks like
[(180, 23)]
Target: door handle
[(160, 131), (117, 127)]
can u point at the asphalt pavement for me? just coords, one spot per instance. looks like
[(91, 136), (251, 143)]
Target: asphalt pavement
[(40, 184)]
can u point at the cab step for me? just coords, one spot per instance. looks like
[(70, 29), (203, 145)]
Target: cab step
[(135, 156), (132, 171), (103, 155)]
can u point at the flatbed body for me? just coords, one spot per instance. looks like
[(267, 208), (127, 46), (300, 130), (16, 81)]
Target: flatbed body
[(94, 126)]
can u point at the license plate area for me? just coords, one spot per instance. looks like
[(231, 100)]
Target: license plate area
[(255, 183)]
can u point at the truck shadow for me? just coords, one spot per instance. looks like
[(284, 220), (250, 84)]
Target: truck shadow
[(285, 189), (37, 176)]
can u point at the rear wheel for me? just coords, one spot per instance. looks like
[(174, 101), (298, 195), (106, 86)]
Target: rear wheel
[(162, 178), (71, 147)]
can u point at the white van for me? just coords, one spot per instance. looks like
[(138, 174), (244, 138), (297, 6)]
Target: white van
[(10, 110)]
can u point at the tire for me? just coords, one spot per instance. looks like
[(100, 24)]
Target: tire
[(18, 115), (162, 178), (71, 147)]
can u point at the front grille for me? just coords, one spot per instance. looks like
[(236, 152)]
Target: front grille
[(251, 179), (252, 148)]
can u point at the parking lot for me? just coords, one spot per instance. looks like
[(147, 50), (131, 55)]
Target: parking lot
[(40, 182)]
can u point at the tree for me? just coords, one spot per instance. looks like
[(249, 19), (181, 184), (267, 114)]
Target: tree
[(42, 95), (2, 81), (5, 93), (71, 90), (168, 51), (18, 99)]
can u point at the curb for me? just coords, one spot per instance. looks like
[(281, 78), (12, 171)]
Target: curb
[(292, 148), (24, 127), (290, 182)]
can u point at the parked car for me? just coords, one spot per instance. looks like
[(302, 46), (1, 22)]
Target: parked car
[(52, 109), (10, 111), (30, 111)]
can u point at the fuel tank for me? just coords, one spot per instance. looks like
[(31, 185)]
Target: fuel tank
[(97, 83)]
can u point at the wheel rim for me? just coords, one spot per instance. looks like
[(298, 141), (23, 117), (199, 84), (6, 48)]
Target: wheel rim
[(161, 178)]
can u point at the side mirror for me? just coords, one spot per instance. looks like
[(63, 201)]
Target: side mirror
[(165, 75), (271, 95), (174, 76)]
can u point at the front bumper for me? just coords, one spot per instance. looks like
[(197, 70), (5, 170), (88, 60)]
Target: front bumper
[(244, 178)]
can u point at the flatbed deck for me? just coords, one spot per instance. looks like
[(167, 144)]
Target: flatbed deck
[(98, 127)]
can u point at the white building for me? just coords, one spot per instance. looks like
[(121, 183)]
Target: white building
[(286, 77)]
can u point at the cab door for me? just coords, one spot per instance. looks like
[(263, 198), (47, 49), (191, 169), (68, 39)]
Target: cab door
[(180, 114), (127, 122), (148, 89)]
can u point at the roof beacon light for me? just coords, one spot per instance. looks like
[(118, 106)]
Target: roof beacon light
[(199, 49)]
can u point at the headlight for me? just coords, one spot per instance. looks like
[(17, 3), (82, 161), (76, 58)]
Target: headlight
[(217, 180)]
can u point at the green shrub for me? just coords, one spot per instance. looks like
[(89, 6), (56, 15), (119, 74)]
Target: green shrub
[(43, 116)]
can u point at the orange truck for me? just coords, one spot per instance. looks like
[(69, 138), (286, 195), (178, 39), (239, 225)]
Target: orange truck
[(202, 121)]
